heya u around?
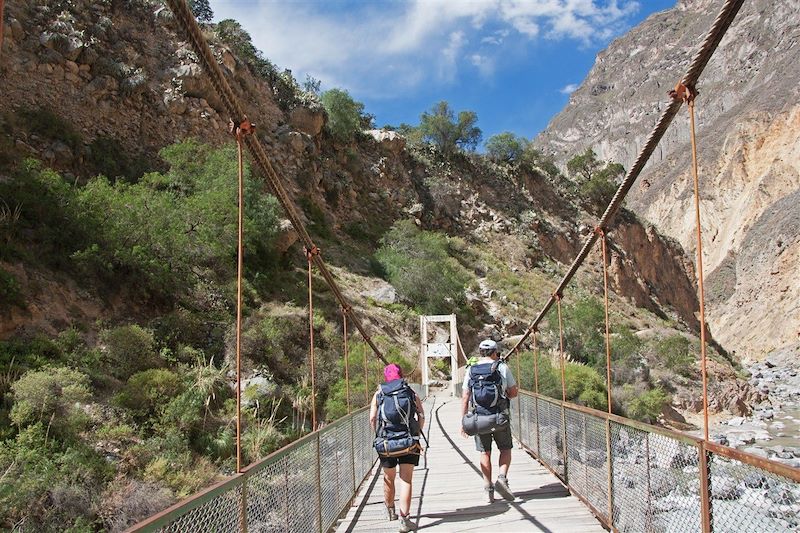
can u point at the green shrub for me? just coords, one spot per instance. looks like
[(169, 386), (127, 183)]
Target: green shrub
[(49, 486), (584, 330), (148, 391), (344, 114), (129, 349), (418, 264), (49, 397), (675, 354), (646, 407)]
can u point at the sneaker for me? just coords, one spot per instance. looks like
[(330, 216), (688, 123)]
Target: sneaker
[(489, 494), (501, 485), (391, 515), (405, 525)]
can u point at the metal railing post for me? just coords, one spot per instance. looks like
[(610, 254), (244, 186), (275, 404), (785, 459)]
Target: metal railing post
[(353, 454), (706, 518)]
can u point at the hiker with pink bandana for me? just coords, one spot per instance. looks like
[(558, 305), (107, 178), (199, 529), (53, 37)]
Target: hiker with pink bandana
[(397, 418)]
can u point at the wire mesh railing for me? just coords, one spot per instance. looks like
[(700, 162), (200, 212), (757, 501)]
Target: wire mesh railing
[(648, 478), (281, 493)]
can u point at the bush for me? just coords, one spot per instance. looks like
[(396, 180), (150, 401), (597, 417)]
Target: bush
[(147, 392), (48, 486), (419, 265), (344, 114), (48, 397), (129, 349), (106, 156), (674, 353), (506, 147), (10, 294), (584, 330), (645, 407)]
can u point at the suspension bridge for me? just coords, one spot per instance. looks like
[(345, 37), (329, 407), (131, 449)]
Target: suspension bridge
[(574, 468)]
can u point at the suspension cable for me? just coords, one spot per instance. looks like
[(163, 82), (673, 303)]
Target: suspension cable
[(561, 349), (346, 360), (689, 97), (192, 31), (698, 64), (309, 256), (608, 329), (239, 131), (535, 365)]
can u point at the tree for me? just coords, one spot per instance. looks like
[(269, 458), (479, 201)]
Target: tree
[(597, 182), (345, 118), (440, 127), (201, 10), (506, 147)]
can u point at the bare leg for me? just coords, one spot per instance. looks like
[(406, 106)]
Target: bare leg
[(388, 486), (406, 473), (486, 467), (505, 462)]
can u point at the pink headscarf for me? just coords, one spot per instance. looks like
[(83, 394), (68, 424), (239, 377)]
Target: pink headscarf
[(392, 372)]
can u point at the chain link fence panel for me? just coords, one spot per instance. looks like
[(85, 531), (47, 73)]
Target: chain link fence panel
[(745, 497)]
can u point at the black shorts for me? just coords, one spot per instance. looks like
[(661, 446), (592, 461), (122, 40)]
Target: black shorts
[(409, 459)]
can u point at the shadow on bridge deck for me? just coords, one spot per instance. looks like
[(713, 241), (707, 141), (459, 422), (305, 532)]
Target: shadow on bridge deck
[(448, 490)]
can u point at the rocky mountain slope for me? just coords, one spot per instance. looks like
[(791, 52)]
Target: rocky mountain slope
[(749, 155)]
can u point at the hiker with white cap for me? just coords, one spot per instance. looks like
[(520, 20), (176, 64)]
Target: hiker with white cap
[(485, 406)]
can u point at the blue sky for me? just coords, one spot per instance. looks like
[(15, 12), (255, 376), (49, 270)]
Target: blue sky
[(513, 62)]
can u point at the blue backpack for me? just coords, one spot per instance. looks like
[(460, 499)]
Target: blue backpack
[(397, 429), (486, 384)]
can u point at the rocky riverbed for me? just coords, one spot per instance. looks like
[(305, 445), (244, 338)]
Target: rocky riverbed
[(773, 428)]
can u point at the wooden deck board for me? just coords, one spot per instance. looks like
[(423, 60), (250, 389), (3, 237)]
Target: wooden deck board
[(448, 491)]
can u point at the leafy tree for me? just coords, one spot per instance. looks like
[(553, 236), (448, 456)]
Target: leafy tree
[(201, 10), (584, 327), (419, 265), (344, 114), (440, 127), (536, 159), (413, 134), (130, 349), (596, 181), (506, 147)]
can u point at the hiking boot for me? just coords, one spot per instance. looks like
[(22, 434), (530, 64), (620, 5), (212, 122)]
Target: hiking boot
[(405, 524), (391, 515), (501, 485), (489, 494)]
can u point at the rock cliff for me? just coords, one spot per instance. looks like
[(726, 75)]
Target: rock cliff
[(749, 155)]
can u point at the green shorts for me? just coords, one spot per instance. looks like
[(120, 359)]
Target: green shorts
[(483, 443)]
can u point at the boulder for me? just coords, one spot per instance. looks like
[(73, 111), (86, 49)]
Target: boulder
[(384, 294), (307, 120), (287, 236), (389, 140)]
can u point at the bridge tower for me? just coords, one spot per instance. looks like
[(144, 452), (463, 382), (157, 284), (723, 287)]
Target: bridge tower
[(442, 347)]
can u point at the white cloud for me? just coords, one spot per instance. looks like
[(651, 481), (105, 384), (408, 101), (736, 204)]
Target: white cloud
[(568, 89), (484, 64), (386, 48)]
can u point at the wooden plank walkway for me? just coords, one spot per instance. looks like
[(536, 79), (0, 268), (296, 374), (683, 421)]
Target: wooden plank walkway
[(448, 490)]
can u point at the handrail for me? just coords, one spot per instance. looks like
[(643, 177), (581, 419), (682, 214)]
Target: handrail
[(184, 507), (633, 475)]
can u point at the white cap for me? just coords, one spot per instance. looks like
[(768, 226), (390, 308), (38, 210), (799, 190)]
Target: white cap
[(488, 344)]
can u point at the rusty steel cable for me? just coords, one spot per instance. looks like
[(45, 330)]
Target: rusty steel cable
[(346, 361), (311, 355), (690, 105), (239, 272), (608, 328), (721, 24), (187, 22)]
